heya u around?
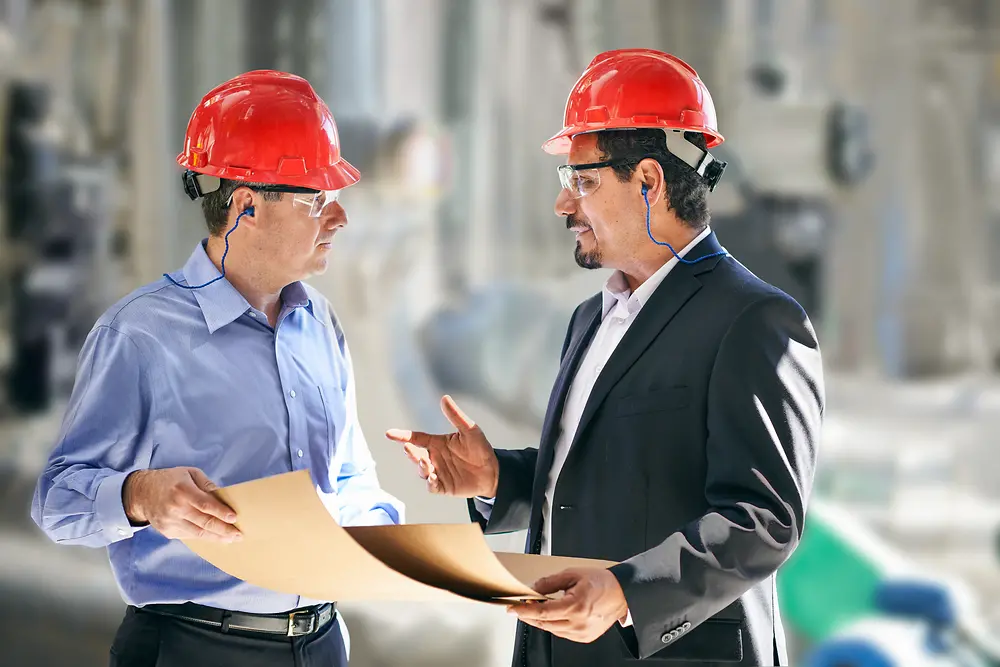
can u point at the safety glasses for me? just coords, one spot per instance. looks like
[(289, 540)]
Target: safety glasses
[(583, 179), (313, 201)]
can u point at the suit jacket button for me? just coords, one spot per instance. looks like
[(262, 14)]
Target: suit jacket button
[(686, 626), (667, 638)]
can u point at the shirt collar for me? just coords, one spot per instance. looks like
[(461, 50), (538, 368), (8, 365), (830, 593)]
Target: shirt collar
[(616, 289), (220, 302)]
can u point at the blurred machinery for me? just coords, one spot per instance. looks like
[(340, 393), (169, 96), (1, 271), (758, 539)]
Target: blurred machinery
[(61, 185), (796, 147), (915, 623), (850, 599), (57, 238)]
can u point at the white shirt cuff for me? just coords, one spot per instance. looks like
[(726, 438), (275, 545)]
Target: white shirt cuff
[(110, 511), (484, 506), (380, 516)]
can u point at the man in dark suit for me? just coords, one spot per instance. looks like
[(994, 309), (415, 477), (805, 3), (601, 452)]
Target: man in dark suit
[(681, 433)]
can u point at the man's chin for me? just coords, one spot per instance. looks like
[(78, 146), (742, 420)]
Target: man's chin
[(587, 259), (318, 266)]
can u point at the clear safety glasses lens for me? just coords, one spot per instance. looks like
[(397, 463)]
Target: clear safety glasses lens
[(316, 202), (579, 182)]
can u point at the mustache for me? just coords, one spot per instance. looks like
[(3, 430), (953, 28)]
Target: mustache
[(572, 220)]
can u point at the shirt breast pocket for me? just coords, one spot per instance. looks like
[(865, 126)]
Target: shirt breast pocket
[(325, 424), (333, 415), (658, 400)]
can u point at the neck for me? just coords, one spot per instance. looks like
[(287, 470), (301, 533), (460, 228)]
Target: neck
[(260, 291), (653, 258)]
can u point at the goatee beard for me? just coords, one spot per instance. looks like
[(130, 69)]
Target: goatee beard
[(587, 260)]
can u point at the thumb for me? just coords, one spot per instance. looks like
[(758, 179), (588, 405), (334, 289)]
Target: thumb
[(202, 481), (554, 583)]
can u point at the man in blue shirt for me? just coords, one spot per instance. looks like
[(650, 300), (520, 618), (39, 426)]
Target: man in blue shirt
[(226, 371)]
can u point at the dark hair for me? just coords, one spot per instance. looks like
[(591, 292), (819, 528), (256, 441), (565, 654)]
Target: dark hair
[(215, 205), (687, 192)]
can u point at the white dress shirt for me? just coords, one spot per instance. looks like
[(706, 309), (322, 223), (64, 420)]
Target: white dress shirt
[(621, 306)]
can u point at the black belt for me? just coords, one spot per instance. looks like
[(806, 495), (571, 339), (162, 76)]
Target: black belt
[(295, 623)]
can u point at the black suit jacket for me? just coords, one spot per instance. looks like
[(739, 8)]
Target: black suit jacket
[(691, 467)]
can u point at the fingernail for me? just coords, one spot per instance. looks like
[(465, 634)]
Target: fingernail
[(230, 517)]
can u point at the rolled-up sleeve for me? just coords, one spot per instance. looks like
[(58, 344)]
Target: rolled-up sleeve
[(78, 498)]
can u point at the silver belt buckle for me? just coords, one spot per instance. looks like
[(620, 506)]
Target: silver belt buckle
[(291, 623)]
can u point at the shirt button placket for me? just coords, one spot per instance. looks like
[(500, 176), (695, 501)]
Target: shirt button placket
[(295, 408)]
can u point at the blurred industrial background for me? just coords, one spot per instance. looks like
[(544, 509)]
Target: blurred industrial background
[(863, 140)]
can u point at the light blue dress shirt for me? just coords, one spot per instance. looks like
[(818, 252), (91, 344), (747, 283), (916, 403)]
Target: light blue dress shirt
[(176, 377)]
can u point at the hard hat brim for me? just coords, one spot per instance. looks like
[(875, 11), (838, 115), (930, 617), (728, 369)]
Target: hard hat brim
[(342, 174), (561, 143)]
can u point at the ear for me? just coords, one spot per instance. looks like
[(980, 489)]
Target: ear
[(243, 201), (649, 175)]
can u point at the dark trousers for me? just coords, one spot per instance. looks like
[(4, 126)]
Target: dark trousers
[(152, 640), (539, 648)]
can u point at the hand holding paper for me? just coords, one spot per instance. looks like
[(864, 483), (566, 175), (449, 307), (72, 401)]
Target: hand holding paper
[(179, 503), (592, 601), (457, 464)]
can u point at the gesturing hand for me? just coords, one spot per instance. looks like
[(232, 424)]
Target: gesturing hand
[(462, 463)]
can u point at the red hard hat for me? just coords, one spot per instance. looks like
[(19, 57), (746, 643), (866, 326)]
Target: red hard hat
[(633, 88), (267, 127)]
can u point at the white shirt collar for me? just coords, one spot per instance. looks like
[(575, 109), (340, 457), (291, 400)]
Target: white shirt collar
[(616, 289)]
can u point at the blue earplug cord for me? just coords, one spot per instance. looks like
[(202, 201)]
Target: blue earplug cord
[(247, 211), (649, 231)]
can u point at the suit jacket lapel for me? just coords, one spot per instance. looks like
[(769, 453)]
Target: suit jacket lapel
[(669, 297), (557, 400), (567, 371)]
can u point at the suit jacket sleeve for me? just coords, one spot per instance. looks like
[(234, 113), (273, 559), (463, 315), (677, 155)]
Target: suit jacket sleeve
[(765, 408), (511, 509)]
